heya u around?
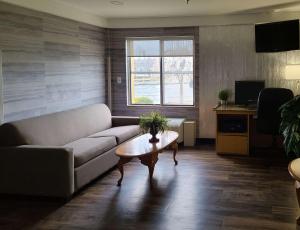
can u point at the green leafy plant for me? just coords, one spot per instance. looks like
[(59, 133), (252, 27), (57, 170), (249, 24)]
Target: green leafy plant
[(224, 95), (290, 126), (143, 100), (153, 122)]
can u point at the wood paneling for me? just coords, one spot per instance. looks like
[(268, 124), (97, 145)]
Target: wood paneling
[(92, 64), (226, 54), (117, 51), (204, 191), (49, 63)]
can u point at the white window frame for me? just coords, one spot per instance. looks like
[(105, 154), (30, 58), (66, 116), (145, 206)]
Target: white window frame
[(128, 69)]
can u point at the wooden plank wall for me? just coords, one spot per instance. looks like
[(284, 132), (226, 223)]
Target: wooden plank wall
[(49, 63), (117, 51)]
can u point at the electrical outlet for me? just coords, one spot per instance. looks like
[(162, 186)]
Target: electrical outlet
[(119, 80)]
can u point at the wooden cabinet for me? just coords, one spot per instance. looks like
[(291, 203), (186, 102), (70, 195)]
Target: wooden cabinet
[(233, 129), (232, 144)]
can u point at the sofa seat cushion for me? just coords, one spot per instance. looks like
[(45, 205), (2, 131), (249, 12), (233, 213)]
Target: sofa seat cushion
[(121, 133), (86, 149)]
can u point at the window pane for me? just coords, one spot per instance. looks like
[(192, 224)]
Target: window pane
[(178, 47), (145, 64), (178, 82), (144, 71), (145, 88), (178, 64), (143, 48), (178, 89)]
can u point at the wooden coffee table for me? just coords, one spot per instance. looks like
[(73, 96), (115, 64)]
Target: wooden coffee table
[(147, 152)]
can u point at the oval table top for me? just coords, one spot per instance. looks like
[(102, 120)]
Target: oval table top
[(294, 169), (141, 146)]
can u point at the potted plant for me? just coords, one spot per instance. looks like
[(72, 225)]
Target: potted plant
[(153, 123), (223, 96), (290, 126)]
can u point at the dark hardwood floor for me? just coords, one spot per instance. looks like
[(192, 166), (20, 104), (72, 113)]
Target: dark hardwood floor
[(204, 191)]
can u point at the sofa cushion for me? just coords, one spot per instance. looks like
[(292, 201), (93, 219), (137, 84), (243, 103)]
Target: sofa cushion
[(57, 129), (121, 133), (86, 149)]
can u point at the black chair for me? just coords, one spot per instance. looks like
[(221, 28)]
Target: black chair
[(268, 115)]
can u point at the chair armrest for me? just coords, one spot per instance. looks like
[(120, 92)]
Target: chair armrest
[(124, 120), (37, 170)]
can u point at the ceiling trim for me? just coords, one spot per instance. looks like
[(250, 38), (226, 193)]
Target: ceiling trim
[(234, 19), (61, 9)]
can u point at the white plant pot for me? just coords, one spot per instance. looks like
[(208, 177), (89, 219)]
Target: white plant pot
[(223, 102)]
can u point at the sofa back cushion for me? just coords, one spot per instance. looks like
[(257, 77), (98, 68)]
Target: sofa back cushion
[(57, 129)]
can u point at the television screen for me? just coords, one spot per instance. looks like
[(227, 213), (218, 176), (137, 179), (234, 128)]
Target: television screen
[(277, 36), (246, 92)]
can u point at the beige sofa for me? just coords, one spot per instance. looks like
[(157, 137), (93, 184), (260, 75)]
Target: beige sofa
[(56, 154)]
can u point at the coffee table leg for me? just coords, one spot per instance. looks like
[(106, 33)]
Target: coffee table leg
[(121, 162), (150, 161), (175, 149), (151, 170)]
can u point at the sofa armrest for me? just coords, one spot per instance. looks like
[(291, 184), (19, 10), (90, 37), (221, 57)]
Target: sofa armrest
[(124, 120), (37, 170)]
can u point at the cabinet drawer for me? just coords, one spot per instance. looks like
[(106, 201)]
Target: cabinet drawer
[(232, 145)]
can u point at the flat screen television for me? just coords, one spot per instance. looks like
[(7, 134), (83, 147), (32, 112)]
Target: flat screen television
[(277, 36), (246, 92)]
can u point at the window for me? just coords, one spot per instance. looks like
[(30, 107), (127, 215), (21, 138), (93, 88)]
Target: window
[(160, 71)]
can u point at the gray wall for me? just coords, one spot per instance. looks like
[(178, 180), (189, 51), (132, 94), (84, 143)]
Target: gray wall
[(226, 54), (117, 51), (223, 54), (49, 63)]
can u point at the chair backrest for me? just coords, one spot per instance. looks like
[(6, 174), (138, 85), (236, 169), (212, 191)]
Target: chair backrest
[(268, 114)]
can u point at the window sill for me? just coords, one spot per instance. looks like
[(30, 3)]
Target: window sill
[(164, 106)]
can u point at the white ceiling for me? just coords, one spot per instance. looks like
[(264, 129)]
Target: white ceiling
[(174, 8)]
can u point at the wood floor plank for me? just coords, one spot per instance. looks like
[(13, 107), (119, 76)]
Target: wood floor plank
[(204, 191)]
